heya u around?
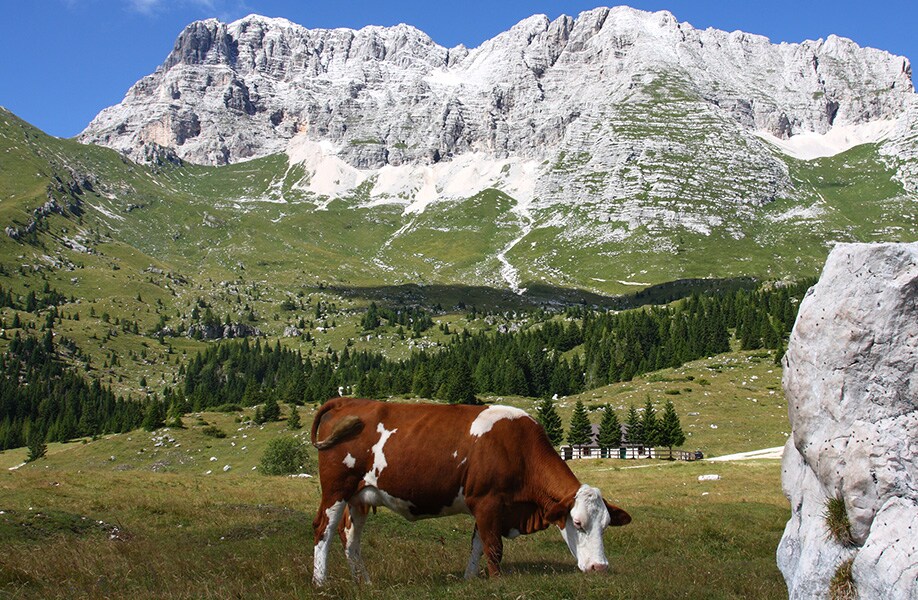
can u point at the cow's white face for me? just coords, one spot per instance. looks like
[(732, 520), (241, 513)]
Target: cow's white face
[(585, 523)]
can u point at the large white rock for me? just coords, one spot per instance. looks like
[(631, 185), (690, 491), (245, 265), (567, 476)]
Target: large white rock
[(852, 388)]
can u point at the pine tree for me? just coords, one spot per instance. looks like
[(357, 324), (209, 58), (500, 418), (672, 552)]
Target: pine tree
[(670, 430), (634, 434), (779, 353), (580, 432), (548, 417), (174, 416), (154, 415), (271, 411), (649, 424), (293, 421), (610, 429), (37, 445), (460, 388)]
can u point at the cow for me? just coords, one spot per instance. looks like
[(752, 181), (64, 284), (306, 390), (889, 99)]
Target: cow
[(428, 460)]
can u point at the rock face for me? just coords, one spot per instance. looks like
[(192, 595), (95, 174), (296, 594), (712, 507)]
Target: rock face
[(222, 332), (622, 103), (852, 387)]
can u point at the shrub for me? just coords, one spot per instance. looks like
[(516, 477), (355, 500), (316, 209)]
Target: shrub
[(227, 408), (836, 517), (285, 455), (213, 431), (842, 585)]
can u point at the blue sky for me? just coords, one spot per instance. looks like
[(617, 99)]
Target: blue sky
[(65, 60)]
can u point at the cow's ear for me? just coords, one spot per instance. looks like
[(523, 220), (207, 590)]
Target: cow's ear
[(617, 515), (558, 512)]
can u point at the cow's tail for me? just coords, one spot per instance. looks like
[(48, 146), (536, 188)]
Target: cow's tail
[(342, 429)]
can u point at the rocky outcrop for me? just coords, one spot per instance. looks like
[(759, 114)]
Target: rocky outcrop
[(222, 332), (852, 388)]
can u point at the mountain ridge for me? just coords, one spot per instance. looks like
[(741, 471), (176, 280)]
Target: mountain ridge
[(258, 52)]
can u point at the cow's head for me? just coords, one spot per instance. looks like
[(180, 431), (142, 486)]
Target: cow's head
[(586, 517)]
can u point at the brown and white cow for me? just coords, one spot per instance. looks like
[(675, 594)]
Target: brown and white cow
[(429, 460)]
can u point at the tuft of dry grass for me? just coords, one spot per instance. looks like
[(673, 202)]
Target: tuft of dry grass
[(842, 585), (836, 518)]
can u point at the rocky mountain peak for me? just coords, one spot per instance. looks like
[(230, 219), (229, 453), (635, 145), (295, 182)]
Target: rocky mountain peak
[(625, 91)]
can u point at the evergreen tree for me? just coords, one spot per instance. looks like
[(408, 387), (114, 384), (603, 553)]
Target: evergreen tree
[(370, 320), (293, 421), (649, 424), (580, 432), (634, 434), (779, 353), (259, 417), (548, 417), (610, 429), (37, 445), (154, 415), (670, 430), (174, 415), (271, 410), (460, 388)]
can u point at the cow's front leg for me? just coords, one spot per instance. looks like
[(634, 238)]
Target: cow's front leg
[(353, 529), (471, 571), (325, 523)]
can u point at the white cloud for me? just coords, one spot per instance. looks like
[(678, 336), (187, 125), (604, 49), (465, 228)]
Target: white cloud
[(213, 7), (146, 7)]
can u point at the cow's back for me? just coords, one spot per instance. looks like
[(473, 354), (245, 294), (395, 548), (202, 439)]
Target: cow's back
[(418, 454)]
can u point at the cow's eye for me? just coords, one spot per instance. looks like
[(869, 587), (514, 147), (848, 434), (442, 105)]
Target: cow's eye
[(578, 524)]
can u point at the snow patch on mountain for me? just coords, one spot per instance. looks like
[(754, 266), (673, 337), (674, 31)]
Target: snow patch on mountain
[(413, 186), (811, 145)]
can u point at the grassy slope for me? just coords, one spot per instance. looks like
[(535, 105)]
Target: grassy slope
[(228, 222), (849, 197), (184, 534)]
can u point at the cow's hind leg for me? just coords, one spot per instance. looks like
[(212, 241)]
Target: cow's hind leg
[(351, 529), (471, 571), (487, 523), (325, 523)]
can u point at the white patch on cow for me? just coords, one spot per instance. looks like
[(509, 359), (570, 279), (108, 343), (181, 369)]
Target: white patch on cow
[(491, 415), (379, 459), (513, 533), (463, 461), (352, 545), (373, 496), (350, 461), (320, 552), (349, 535), (455, 453), (471, 571), (583, 529)]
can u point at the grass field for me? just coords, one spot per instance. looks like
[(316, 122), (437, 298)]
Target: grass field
[(123, 517)]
